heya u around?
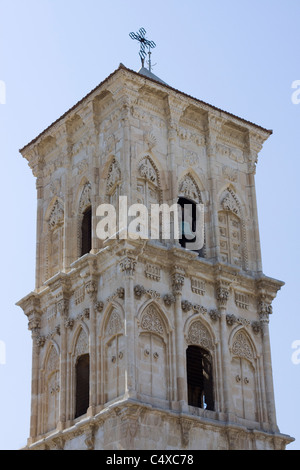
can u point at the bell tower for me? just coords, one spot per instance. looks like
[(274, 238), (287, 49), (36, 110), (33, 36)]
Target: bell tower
[(144, 343)]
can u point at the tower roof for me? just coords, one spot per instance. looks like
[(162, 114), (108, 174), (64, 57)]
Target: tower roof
[(152, 77), (147, 73)]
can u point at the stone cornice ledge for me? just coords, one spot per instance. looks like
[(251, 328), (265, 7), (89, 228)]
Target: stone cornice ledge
[(127, 407)]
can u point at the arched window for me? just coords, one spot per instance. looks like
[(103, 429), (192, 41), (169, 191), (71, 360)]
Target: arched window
[(199, 378), (86, 231), (82, 385), (188, 222)]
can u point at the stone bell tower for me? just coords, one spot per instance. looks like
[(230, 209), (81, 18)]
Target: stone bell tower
[(145, 344)]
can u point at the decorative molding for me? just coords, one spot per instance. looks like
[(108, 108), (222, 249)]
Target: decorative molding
[(85, 198), (198, 286), (241, 346), (151, 320), (56, 218), (114, 177), (115, 324), (128, 265), (148, 171), (152, 272), (169, 299), (189, 189), (241, 300), (177, 283), (199, 335)]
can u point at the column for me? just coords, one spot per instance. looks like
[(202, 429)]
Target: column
[(63, 310), (91, 290), (265, 309), (127, 266), (222, 288), (177, 279)]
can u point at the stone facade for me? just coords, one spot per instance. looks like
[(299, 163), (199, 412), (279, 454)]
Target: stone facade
[(136, 306)]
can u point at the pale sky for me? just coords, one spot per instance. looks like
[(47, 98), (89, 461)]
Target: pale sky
[(241, 56)]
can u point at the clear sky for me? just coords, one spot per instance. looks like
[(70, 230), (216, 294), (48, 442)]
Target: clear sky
[(241, 56)]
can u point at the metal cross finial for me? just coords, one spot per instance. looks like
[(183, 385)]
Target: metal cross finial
[(140, 36)]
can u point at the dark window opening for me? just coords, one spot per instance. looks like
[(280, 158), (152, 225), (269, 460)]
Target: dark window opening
[(82, 385), (199, 378), (86, 232), (188, 223)]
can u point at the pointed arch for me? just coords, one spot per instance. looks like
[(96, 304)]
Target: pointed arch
[(84, 218), (152, 318), (148, 181), (242, 345), (154, 353), (112, 320), (188, 188), (232, 228), (198, 332), (114, 177), (112, 353), (245, 380), (80, 341), (54, 221), (51, 388)]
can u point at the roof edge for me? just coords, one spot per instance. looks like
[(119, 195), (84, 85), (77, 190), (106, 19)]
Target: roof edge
[(161, 83)]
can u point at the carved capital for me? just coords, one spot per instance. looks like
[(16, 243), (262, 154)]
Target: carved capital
[(222, 295), (177, 279), (128, 265)]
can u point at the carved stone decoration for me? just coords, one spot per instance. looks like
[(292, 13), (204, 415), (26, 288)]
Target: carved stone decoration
[(197, 286), (115, 324), (185, 427), (199, 335), (151, 320), (120, 292), (82, 344), (69, 323), (186, 305), (147, 170), (91, 288), (152, 272), (169, 299), (139, 291), (230, 319), (85, 198), (177, 283), (56, 218), (90, 437), (222, 295), (256, 327), (99, 305), (214, 315), (242, 300), (264, 310), (127, 265), (40, 341), (241, 346), (230, 173), (63, 307), (114, 177), (189, 189), (150, 140), (230, 203)]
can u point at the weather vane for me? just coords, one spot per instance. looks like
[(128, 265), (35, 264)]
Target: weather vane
[(140, 36)]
